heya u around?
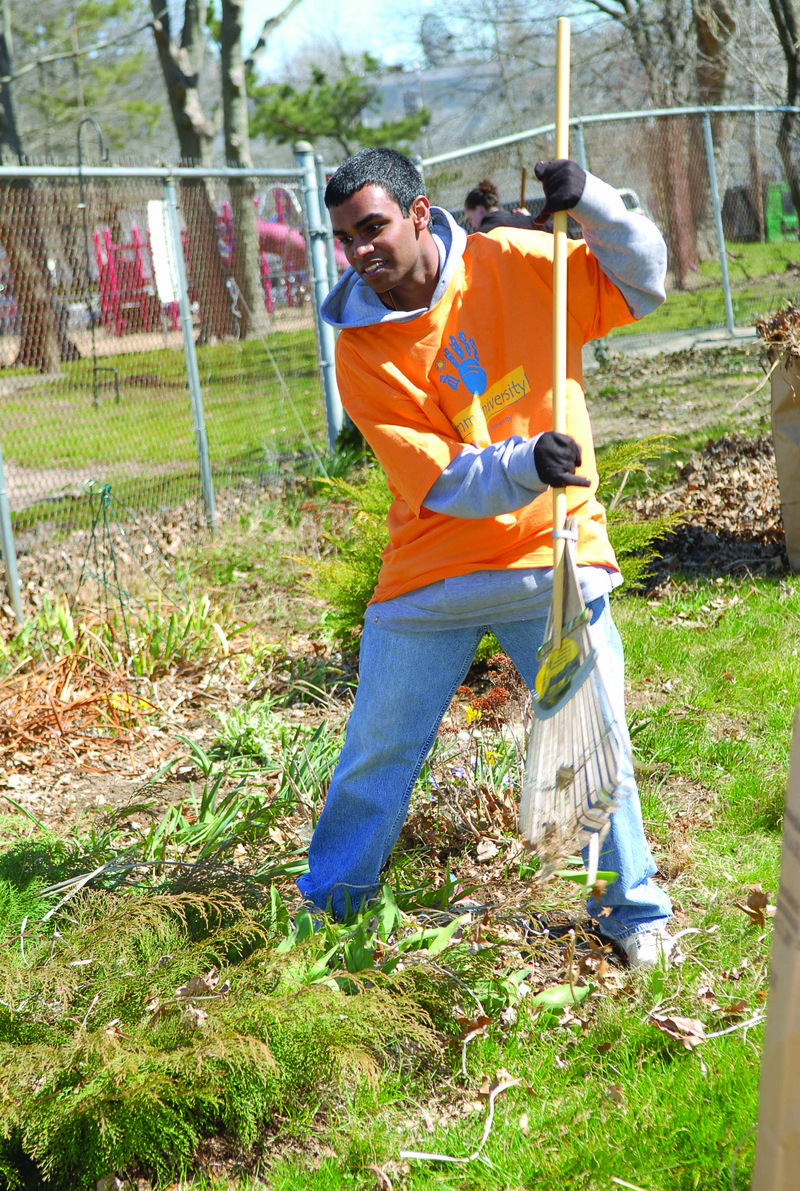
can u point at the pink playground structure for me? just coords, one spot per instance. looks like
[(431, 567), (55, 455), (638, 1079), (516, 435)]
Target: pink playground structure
[(128, 298), (284, 258)]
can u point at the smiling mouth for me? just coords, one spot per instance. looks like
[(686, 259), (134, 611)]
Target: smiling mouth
[(372, 269)]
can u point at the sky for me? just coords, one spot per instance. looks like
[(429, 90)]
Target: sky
[(386, 28)]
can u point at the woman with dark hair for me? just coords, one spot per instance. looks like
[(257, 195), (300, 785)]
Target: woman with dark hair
[(482, 209)]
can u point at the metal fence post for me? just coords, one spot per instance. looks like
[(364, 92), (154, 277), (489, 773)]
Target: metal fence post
[(304, 155), (330, 254), (580, 146), (190, 354), (8, 549), (723, 260)]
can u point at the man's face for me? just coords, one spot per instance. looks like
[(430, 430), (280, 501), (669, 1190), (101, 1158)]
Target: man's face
[(380, 243)]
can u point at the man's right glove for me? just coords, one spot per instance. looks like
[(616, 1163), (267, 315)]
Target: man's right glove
[(555, 458), (563, 182)]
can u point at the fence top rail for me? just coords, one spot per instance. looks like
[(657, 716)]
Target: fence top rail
[(601, 118), (154, 173)]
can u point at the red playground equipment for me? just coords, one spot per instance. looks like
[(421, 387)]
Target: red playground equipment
[(128, 298)]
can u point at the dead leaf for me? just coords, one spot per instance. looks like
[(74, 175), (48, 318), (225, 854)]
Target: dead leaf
[(757, 898), (486, 849), (598, 889), (468, 1025), (735, 1010), (614, 1093), (687, 1030), (707, 995), (195, 1017), (199, 986), (758, 913), (382, 1180)]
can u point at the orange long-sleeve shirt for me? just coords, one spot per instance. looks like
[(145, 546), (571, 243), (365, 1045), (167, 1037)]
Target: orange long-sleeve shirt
[(477, 368)]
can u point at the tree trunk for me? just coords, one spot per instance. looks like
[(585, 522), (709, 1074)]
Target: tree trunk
[(43, 341), (181, 66), (715, 30), (785, 18), (246, 253), (671, 181)]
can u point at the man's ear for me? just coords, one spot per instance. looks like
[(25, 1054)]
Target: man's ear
[(420, 212)]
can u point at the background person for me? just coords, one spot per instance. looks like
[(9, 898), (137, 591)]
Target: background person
[(482, 209)]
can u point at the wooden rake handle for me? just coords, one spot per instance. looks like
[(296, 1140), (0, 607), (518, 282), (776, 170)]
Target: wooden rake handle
[(560, 317)]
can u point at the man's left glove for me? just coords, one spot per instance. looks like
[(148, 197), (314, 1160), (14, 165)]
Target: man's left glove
[(555, 457), (563, 182)]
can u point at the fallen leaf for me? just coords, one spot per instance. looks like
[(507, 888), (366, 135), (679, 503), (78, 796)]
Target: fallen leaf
[(469, 1025), (757, 898), (199, 986), (735, 1010), (707, 995), (687, 1030), (195, 1017), (757, 914), (382, 1180), (486, 849), (614, 1093)]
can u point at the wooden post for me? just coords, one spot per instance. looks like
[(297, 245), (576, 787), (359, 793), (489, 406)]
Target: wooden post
[(778, 1147)]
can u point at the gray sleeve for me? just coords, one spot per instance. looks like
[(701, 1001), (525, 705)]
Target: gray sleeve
[(628, 246), (488, 481)]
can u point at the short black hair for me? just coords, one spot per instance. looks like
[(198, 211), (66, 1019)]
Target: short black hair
[(386, 168)]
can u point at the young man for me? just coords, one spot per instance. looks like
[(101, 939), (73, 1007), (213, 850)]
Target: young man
[(444, 363)]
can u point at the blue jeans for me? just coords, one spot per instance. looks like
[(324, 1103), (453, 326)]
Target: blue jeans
[(406, 683)]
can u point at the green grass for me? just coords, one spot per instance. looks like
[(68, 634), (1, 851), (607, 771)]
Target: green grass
[(761, 277), (261, 404)]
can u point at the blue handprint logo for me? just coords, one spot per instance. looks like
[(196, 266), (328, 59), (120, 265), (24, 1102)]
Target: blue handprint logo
[(463, 355)]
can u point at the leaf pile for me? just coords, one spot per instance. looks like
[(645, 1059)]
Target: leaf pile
[(781, 329), (728, 495)]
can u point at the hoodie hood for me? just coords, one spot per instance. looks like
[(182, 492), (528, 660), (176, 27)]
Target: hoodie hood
[(351, 302)]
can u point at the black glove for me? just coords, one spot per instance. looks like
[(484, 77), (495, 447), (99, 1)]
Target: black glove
[(563, 182), (555, 458)]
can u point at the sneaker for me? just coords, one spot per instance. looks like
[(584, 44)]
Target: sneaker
[(647, 948)]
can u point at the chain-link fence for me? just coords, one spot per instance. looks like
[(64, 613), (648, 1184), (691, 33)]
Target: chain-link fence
[(157, 342), (711, 178)]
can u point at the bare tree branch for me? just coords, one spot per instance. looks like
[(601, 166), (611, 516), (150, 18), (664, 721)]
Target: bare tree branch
[(47, 59), (269, 27)]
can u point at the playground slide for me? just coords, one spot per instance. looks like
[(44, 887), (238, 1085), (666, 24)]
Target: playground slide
[(289, 244)]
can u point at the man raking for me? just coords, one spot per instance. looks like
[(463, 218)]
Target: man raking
[(444, 364)]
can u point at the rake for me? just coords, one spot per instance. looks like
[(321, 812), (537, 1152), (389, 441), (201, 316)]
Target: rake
[(574, 758)]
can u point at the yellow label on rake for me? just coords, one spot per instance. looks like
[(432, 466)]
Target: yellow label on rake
[(556, 670)]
